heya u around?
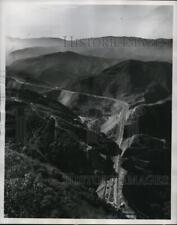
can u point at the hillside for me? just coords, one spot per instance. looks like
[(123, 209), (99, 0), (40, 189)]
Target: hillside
[(101, 114), (132, 81), (60, 68), (88, 129), (35, 189)]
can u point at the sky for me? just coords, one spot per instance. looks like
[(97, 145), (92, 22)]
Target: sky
[(27, 20)]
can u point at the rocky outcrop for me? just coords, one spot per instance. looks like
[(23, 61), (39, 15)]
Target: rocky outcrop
[(147, 156), (151, 119), (100, 114), (147, 184)]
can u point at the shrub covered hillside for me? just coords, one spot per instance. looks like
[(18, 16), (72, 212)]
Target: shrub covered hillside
[(37, 190)]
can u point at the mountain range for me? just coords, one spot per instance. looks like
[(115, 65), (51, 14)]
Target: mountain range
[(132, 81), (83, 119), (60, 68), (120, 48)]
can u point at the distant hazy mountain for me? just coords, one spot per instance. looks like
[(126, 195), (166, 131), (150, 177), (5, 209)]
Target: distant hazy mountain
[(26, 53), (59, 68), (18, 48), (121, 48), (13, 44), (130, 80)]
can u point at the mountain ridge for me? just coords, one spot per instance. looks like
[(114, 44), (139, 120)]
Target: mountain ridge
[(60, 67), (129, 80), (109, 47)]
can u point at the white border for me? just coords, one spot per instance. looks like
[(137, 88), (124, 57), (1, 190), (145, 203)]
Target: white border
[(173, 219), (2, 107), (174, 121)]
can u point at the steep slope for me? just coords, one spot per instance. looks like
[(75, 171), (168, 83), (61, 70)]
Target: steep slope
[(152, 119), (149, 114), (132, 81), (60, 68), (147, 159), (38, 190), (107, 115), (101, 114), (52, 132), (147, 184), (16, 81)]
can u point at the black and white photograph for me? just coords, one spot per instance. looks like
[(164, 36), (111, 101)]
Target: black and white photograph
[(88, 110)]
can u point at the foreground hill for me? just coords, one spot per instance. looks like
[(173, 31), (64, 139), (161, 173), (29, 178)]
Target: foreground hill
[(35, 189), (147, 159), (147, 185), (48, 146)]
